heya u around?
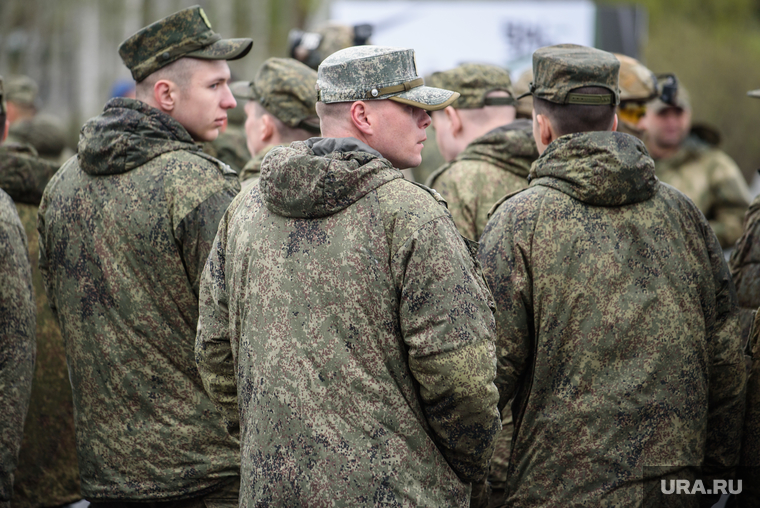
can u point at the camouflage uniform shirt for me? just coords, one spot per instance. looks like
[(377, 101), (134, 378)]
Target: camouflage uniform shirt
[(712, 180), (492, 166), (17, 345), (616, 328), (252, 170), (125, 230), (47, 473), (344, 312), (745, 267)]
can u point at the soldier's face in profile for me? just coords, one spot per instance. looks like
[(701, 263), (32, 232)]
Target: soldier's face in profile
[(202, 103), (400, 132), (667, 127)]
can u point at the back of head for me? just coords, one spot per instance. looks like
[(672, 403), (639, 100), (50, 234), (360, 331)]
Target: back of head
[(284, 87), (576, 87), (312, 48)]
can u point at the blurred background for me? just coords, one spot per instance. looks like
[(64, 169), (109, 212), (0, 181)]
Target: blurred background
[(70, 46)]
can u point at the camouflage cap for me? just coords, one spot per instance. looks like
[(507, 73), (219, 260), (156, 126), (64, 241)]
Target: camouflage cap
[(681, 101), (474, 82), (186, 33), (285, 88), (522, 86), (637, 83), (362, 73), (21, 90), (560, 69)]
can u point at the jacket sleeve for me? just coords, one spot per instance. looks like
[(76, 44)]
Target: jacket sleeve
[(447, 324), (728, 377), (17, 344), (505, 256), (213, 350)]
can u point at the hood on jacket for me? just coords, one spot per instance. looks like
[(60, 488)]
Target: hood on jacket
[(509, 147), (321, 176), (599, 168), (128, 134)]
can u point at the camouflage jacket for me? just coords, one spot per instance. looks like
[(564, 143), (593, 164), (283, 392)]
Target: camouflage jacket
[(47, 473), (713, 181), (492, 166), (44, 132), (745, 267), (344, 312), (125, 230), (17, 346), (24, 175), (229, 147), (750, 454), (252, 170), (616, 328)]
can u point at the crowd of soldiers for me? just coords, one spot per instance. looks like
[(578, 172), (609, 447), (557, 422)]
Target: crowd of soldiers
[(549, 321)]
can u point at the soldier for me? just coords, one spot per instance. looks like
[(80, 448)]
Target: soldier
[(312, 48), (615, 312), (525, 104), (125, 230), (343, 306), (47, 473), (488, 153), (17, 346), (280, 109), (638, 86), (44, 132), (707, 175)]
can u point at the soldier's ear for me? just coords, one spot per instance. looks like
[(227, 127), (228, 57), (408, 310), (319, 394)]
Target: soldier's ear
[(615, 123), (360, 117), (164, 92), (455, 121), (545, 130), (268, 128)]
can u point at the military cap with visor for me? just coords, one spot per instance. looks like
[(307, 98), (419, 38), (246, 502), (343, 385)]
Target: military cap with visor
[(285, 88), (186, 33), (474, 82), (21, 90), (679, 99), (560, 69), (365, 73)]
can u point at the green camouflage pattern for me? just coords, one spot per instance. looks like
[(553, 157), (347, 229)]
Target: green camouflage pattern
[(286, 89), (353, 73), (492, 166), (17, 344), (186, 33), (24, 175), (229, 147), (252, 170), (713, 181), (560, 69), (745, 267), (47, 473), (21, 90), (125, 230), (45, 133), (616, 329), (473, 82), (346, 315), (750, 452)]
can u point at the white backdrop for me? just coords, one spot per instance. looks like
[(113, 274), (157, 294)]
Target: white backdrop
[(445, 34)]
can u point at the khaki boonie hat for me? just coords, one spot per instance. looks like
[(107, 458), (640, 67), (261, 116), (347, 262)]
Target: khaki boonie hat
[(474, 82), (637, 83), (285, 88), (21, 90), (363, 73), (186, 33), (560, 69)]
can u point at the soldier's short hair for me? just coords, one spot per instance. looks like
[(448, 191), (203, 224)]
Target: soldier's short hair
[(571, 118)]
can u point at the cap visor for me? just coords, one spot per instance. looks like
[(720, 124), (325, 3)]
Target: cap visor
[(426, 97), (754, 93), (226, 49), (526, 94), (242, 90)]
